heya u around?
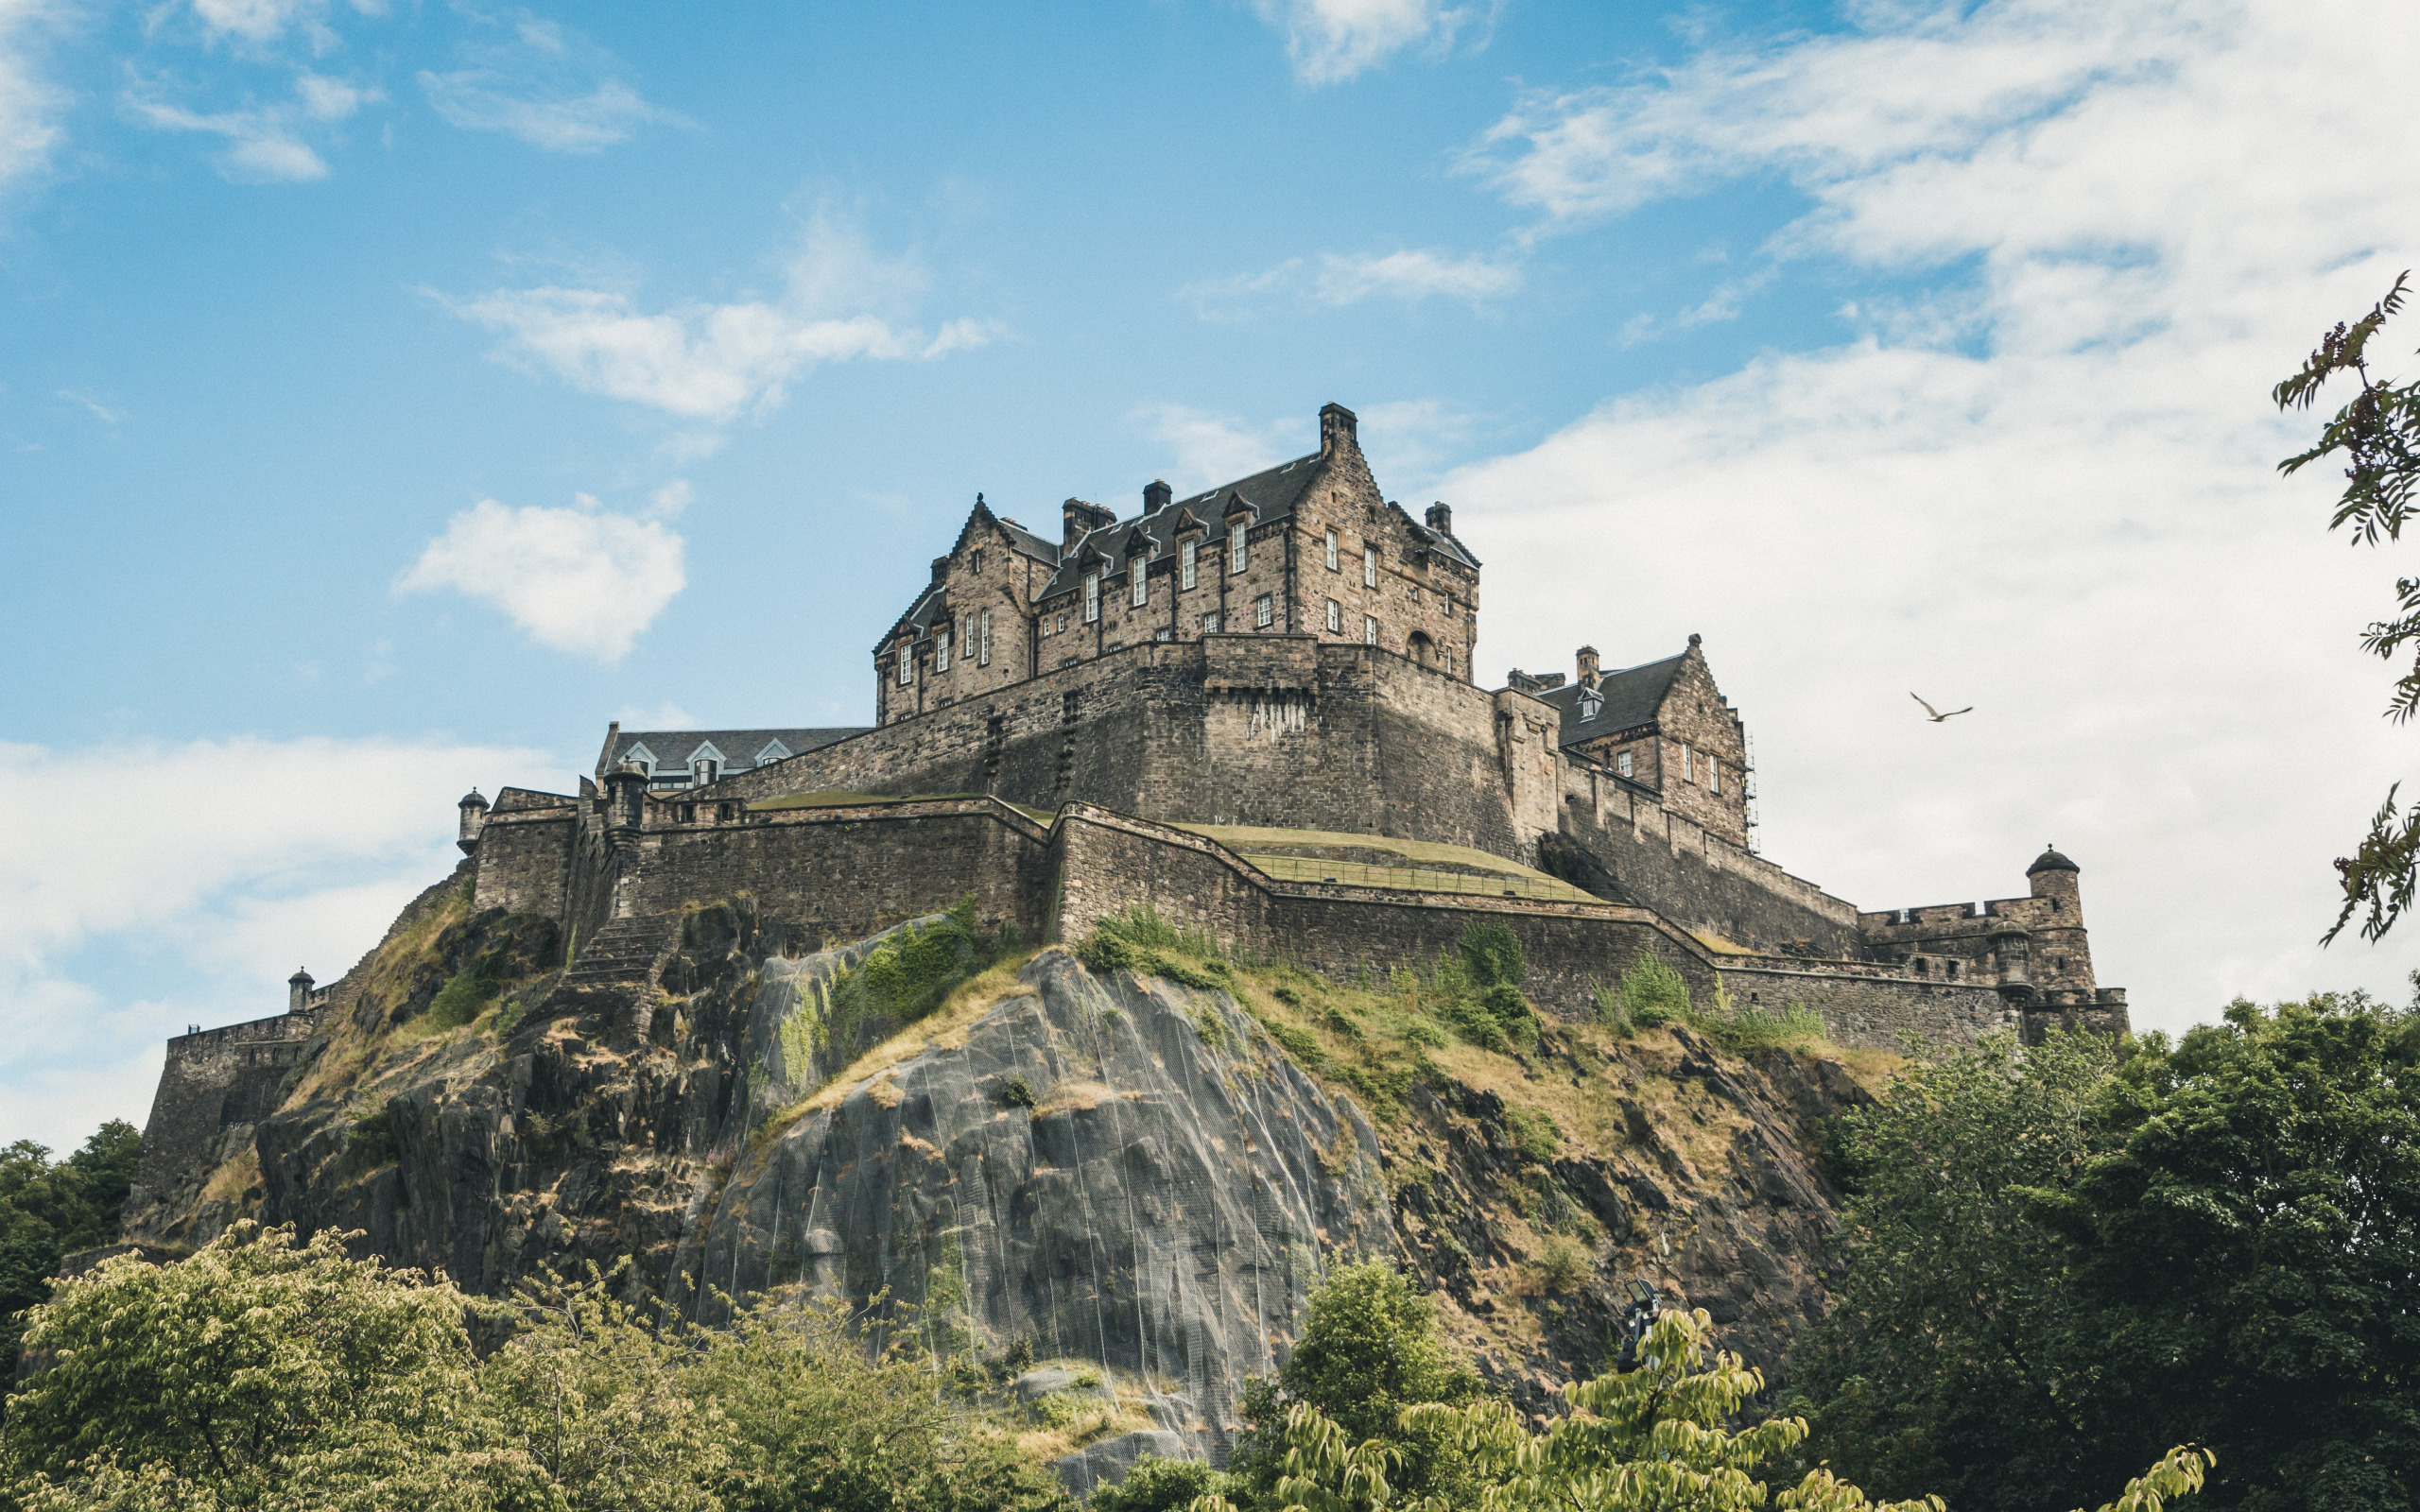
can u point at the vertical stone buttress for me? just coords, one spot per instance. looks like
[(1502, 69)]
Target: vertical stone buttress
[(1525, 747)]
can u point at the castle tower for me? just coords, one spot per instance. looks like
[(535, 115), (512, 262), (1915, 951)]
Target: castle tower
[(2059, 953), (474, 818), (298, 992), (625, 803)]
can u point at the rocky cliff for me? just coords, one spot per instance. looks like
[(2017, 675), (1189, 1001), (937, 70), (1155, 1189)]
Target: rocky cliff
[(1129, 1174)]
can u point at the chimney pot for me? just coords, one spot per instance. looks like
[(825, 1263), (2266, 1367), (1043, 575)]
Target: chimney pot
[(1441, 517), (1156, 495), (1588, 666)]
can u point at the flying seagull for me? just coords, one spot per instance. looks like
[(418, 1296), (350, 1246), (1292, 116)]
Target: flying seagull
[(1938, 716)]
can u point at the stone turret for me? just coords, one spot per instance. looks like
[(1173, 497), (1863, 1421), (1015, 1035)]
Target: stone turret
[(625, 803), (298, 992), (1587, 659), (474, 818), (2060, 953)]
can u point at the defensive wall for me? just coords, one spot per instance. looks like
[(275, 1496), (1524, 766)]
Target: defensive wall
[(1291, 732), (216, 1085)]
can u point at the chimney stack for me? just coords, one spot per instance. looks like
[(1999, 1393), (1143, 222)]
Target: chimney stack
[(1156, 495), (941, 568), (1588, 664), (1441, 517), (1338, 429), (1079, 518)]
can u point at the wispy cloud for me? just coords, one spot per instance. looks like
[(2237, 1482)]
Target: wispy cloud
[(1348, 278), (1332, 40), (266, 143), (30, 103), (715, 361), (99, 411), (1206, 448), (546, 86), (580, 579)]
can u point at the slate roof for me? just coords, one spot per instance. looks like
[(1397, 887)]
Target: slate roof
[(1270, 494), (739, 747), (1631, 696)]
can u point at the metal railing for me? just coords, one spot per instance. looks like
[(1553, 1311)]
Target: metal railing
[(1411, 877)]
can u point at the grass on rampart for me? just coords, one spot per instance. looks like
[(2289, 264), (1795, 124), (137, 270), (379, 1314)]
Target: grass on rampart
[(1421, 866), (847, 800)]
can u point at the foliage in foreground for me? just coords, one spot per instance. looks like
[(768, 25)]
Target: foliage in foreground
[(1660, 1437), (2378, 435), (49, 1211), (1652, 993), (264, 1373), (2060, 1264)]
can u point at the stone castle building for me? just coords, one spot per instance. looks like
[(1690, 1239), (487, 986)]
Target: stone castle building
[(1253, 710)]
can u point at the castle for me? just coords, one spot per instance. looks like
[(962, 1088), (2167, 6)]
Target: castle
[(1253, 710)]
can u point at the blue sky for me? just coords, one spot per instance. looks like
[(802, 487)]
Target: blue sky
[(1884, 344)]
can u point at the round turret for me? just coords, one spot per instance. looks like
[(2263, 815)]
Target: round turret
[(2049, 860), (298, 991), (474, 818)]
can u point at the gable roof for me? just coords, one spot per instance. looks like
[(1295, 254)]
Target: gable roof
[(1631, 698), (1270, 495), (673, 748)]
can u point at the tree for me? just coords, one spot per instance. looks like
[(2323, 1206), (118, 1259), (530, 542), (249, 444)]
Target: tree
[(2378, 434), (1370, 1349), (1949, 1359), (49, 1211), (1656, 1439), (2059, 1265), (257, 1373), (2248, 1234)]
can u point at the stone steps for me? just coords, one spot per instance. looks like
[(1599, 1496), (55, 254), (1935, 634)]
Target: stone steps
[(627, 951)]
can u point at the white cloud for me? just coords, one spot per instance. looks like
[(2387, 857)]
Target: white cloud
[(1414, 275), (2069, 518), (714, 362), (1207, 449), (577, 579), (143, 857), (1331, 40), (256, 21), (1342, 279), (267, 142), (29, 103), (101, 411), (547, 87)]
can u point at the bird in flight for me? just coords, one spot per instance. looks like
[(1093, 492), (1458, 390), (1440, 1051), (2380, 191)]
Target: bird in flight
[(1938, 716)]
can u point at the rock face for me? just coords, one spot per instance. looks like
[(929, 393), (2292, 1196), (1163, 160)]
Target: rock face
[(1127, 1181), (1106, 1168)]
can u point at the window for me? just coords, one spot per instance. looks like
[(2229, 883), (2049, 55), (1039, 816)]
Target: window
[(1187, 556), (907, 664), (983, 641), (1369, 630), (1092, 597), (1209, 623), (1139, 569), (1262, 611), (976, 563), (703, 770), (1331, 551), (1369, 566), (941, 649), (1236, 547), (1590, 706), (1063, 624), (1449, 660), (1622, 764), (1163, 633), (1713, 776), (1334, 612)]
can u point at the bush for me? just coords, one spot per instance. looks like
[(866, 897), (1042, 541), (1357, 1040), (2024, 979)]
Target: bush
[(1491, 954), (1653, 993), (1160, 1485), (1565, 1262), (467, 994)]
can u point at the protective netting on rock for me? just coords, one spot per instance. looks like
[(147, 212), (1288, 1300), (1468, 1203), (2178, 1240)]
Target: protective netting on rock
[(1108, 1168)]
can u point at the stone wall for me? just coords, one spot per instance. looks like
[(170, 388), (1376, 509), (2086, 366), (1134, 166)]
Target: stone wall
[(526, 858), (845, 873), (1664, 861), (216, 1085), (1870, 1006)]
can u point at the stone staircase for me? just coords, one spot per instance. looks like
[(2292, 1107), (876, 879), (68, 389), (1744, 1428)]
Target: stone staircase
[(627, 951), (616, 969)]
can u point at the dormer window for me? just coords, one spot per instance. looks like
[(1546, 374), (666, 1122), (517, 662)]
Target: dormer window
[(703, 770), (1590, 706), (941, 649)]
